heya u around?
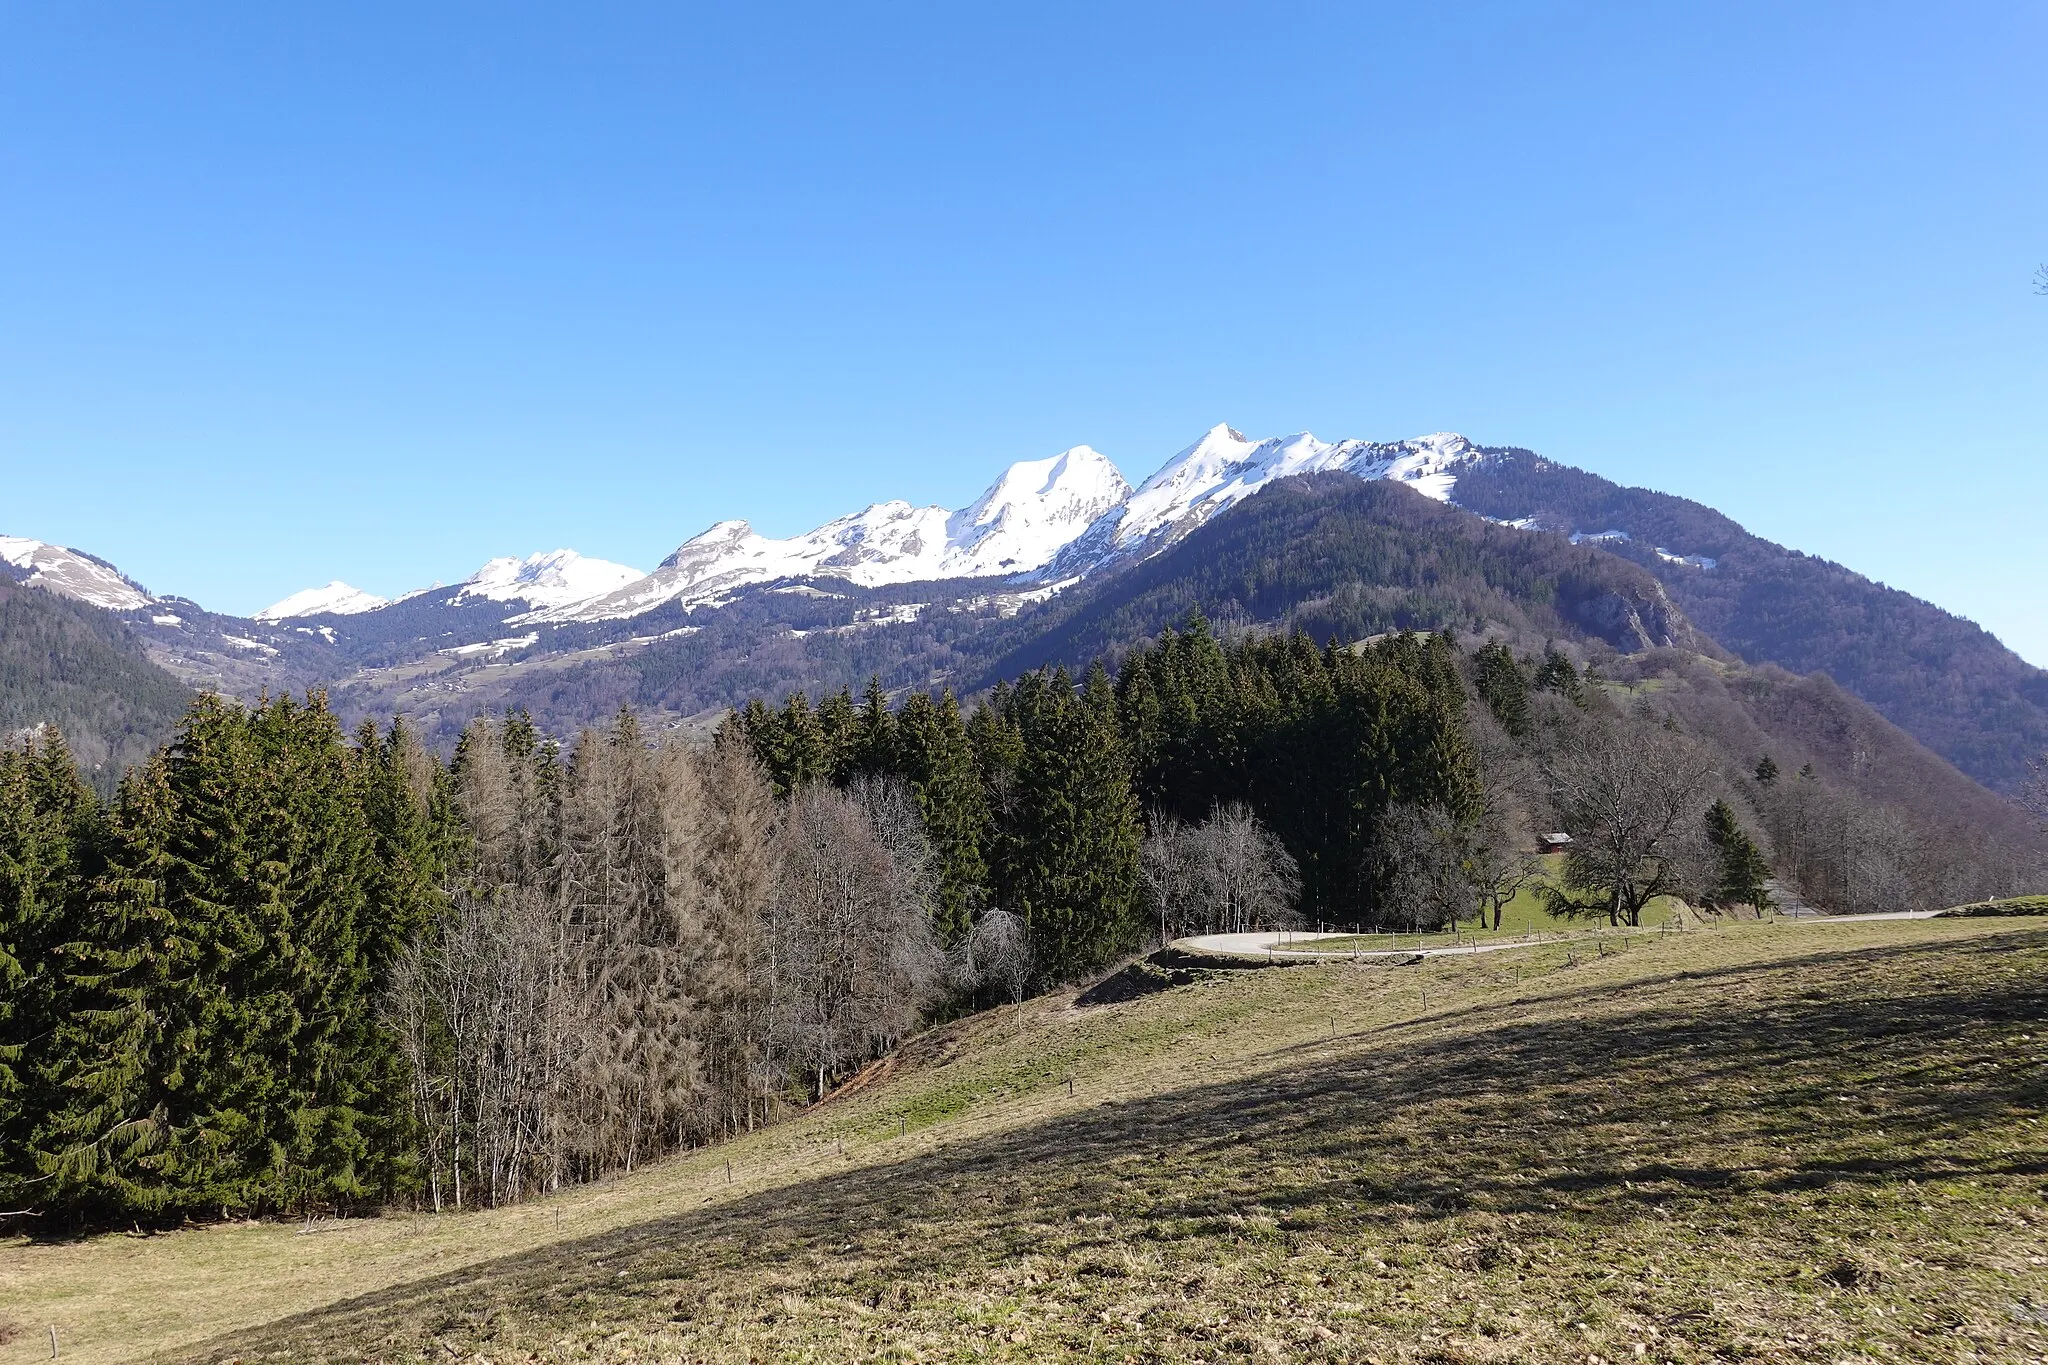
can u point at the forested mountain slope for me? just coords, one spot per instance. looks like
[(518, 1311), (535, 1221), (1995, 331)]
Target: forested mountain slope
[(1810, 724), (1334, 555), (1343, 558), (1945, 680), (77, 667)]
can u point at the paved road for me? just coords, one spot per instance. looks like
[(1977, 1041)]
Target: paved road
[(1297, 944)]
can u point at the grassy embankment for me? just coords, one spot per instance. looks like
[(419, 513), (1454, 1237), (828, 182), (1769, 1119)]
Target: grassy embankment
[(1770, 1142)]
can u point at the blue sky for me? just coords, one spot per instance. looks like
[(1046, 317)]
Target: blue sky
[(290, 293)]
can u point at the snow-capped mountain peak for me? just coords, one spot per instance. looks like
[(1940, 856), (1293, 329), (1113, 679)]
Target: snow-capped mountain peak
[(70, 573), (1225, 467), (1052, 520), (1034, 509), (549, 579), (336, 599), (544, 580)]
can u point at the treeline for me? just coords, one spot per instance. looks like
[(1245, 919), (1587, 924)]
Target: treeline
[(1039, 805), (285, 969)]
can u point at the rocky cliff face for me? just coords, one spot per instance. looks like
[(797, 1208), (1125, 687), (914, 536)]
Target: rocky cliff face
[(1633, 618)]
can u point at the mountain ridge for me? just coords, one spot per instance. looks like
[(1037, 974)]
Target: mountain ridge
[(1041, 530)]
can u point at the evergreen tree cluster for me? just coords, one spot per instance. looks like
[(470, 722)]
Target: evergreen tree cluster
[(1038, 803), (194, 972)]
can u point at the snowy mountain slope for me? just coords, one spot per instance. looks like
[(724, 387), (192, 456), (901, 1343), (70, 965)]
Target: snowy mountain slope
[(1032, 512), (549, 579), (1049, 521), (1019, 524), (70, 573), (336, 599), (1225, 467)]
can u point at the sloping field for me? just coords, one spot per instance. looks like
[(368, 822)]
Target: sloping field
[(1772, 1142)]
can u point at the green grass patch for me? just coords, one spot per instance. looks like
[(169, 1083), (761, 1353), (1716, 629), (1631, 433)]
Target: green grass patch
[(1757, 1142)]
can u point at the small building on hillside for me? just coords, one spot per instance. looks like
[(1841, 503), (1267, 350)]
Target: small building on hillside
[(1559, 842)]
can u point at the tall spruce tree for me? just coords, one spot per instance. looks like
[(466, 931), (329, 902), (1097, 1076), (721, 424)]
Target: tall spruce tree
[(51, 842), (1503, 686), (1072, 854), (1742, 871), (406, 803), (872, 752), (839, 730), (933, 752)]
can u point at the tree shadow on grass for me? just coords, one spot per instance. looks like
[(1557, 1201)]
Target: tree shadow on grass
[(1669, 1094)]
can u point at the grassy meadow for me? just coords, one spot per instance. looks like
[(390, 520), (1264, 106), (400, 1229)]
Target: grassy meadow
[(1755, 1142)]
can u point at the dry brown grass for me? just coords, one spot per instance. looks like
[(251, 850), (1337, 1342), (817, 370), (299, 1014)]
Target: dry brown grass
[(1777, 1143)]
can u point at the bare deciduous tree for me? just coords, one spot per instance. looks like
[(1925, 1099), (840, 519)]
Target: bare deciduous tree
[(1170, 868), (731, 970), (1420, 859), (1632, 799), (996, 956), (1248, 877), (1226, 875), (1500, 865), (631, 905), (849, 933)]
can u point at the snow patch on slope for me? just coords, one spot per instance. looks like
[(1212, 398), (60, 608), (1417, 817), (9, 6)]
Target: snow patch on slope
[(71, 573), (336, 599)]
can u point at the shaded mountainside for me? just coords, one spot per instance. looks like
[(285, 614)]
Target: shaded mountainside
[(1344, 558), (1943, 679), (1747, 712), (76, 667)]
